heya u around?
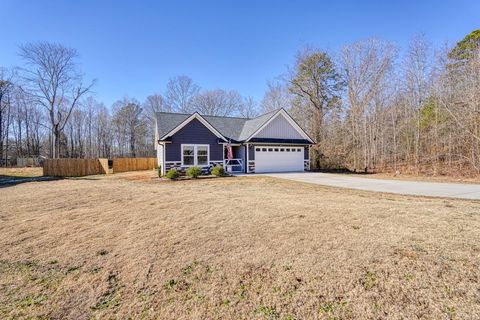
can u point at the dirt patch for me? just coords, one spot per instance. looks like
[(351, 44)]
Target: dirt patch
[(256, 247)]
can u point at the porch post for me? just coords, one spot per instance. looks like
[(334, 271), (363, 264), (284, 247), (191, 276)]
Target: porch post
[(309, 157), (223, 157), (247, 161)]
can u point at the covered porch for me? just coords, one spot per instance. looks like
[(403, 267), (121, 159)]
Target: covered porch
[(237, 163)]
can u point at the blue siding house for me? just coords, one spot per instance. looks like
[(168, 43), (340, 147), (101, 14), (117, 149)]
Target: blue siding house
[(272, 142)]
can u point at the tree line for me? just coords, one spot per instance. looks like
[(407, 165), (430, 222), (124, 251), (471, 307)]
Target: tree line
[(46, 109), (370, 107)]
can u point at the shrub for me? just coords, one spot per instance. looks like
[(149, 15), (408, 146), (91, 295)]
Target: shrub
[(172, 174), (218, 171), (194, 172)]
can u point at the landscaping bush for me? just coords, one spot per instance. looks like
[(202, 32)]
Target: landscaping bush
[(218, 171), (194, 172), (172, 174)]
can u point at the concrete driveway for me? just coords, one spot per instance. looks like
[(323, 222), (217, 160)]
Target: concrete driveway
[(432, 189)]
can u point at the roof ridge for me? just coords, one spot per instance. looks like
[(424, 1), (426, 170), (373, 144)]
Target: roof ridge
[(229, 117), (203, 115), (180, 113)]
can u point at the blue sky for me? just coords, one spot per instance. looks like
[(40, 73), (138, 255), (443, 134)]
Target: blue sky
[(132, 47)]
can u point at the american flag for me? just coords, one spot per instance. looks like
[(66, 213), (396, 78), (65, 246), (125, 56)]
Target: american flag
[(229, 151)]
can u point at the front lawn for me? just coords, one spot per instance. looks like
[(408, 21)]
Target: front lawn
[(131, 245)]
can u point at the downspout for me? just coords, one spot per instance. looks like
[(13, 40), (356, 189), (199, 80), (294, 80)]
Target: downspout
[(164, 159), (245, 161)]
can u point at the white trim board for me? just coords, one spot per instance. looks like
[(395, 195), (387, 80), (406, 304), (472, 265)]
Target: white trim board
[(279, 144), (160, 154), (197, 116)]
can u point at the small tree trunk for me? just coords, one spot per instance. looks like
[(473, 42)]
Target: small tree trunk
[(56, 137), (417, 143), (53, 144), (1, 133), (317, 132), (365, 143), (7, 133)]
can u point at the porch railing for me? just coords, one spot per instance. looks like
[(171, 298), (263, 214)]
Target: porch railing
[(236, 165)]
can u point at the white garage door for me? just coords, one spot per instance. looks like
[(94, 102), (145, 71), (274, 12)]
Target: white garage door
[(278, 159)]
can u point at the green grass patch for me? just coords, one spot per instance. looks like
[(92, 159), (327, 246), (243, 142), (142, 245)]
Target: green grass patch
[(268, 312)]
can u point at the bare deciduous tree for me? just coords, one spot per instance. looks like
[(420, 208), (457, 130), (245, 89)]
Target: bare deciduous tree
[(248, 108), (155, 103), (179, 94), (277, 96), (131, 127), (52, 77), (365, 65), (6, 89), (416, 76), (217, 102)]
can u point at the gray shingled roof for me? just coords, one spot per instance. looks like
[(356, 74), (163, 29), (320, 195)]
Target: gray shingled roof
[(238, 129), (167, 121)]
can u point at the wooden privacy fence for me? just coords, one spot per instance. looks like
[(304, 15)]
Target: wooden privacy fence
[(86, 167), (74, 167), (133, 164)]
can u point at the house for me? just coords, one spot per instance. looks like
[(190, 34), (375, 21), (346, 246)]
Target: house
[(272, 142)]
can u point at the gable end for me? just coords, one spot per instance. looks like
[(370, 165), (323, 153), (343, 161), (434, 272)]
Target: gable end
[(281, 126), (195, 116), (194, 132)]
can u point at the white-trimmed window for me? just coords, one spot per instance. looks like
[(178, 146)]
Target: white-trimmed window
[(202, 155), (195, 155)]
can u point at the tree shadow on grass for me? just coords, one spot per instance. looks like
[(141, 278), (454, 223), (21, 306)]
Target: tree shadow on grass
[(89, 178), (11, 180)]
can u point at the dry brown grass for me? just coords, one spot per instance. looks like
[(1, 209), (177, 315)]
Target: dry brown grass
[(18, 173), (419, 177), (250, 247)]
